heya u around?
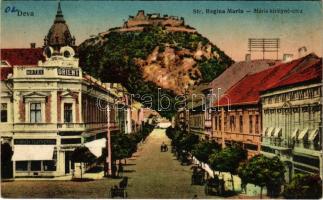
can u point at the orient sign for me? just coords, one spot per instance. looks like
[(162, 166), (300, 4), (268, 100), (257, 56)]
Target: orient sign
[(67, 72)]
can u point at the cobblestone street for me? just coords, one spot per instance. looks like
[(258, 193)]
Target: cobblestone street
[(158, 174), (152, 174)]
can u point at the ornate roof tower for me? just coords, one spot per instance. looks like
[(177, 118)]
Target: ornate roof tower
[(59, 35)]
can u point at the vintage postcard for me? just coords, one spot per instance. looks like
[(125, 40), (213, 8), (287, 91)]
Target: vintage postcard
[(161, 99)]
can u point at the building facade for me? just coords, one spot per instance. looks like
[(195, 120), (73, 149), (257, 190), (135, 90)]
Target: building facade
[(49, 106), (292, 120), (238, 117)]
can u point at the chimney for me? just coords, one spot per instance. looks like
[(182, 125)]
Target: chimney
[(287, 57), (248, 57), (32, 45)]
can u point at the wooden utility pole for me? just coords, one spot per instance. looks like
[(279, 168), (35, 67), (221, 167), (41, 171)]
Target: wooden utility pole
[(108, 144)]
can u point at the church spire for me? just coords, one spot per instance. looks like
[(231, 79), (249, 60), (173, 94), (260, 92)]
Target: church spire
[(59, 15)]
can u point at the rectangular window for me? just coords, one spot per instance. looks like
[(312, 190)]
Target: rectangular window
[(220, 123), (225, 123), (35, 112), (257, 124), (250, 124), (4, 112), (68, 112), (49, 165), (216, 122), (232, 123), (35, 165), (241, 123), (21, 165)]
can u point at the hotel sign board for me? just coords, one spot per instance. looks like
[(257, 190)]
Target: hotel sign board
[(35, 72)]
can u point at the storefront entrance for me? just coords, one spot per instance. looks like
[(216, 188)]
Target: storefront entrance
[(6, 163), (69, 164)]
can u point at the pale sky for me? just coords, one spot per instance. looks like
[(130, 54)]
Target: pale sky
[(230, 32)]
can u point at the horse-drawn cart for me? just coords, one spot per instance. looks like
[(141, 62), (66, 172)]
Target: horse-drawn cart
[(214, 186), (198, 178), (118, 192), (121, 190)]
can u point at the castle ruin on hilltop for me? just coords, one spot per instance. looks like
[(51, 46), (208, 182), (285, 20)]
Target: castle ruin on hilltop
[(153, 19)]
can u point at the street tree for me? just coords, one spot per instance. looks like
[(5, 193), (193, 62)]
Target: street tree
[(263, 171), (304, 186), (188, 141), (83, 155), (228, 160), (204, 149)]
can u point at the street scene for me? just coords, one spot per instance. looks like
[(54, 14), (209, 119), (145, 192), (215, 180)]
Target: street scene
[(161, 100)]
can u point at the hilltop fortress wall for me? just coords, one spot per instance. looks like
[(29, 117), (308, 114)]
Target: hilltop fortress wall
[(153, 19)]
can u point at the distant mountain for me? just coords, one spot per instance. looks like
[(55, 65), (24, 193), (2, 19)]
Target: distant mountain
[(151, 52)]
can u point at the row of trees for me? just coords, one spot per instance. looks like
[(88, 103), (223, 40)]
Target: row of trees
[(259, 170), (122, 146)]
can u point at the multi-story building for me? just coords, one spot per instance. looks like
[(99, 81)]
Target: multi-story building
[(199, 118), (49, 106), (292, 118), (239, 112)]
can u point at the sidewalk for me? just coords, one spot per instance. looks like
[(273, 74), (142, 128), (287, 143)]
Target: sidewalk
[(252, 190)]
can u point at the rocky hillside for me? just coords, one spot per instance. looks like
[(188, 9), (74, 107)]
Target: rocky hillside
[(153, 57)]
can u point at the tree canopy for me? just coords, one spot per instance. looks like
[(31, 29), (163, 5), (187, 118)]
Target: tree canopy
[(304, 186), (83, 155), (204, 149), (263, 171)]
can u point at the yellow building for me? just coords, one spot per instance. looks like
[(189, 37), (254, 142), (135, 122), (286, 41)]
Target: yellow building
[(49, 106)]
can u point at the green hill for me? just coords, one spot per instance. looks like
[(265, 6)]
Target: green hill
[(138, 59)]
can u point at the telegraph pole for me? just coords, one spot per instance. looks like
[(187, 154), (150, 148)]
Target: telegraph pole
[(108, 144)]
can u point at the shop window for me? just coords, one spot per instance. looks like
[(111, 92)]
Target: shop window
[(35, 165), (68, 112), (35, 112), (21, 165), (4, 112), (49, 165)]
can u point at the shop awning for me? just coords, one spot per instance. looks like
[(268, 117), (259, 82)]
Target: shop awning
[(96, 146), (277, 132), (270, 130), (264, 133), (33, 152), (302, 134), (313, 134), (294, 134)]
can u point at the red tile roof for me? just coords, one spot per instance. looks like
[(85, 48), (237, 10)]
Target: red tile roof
[(29, 56), (247, 90), (4, 72)]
